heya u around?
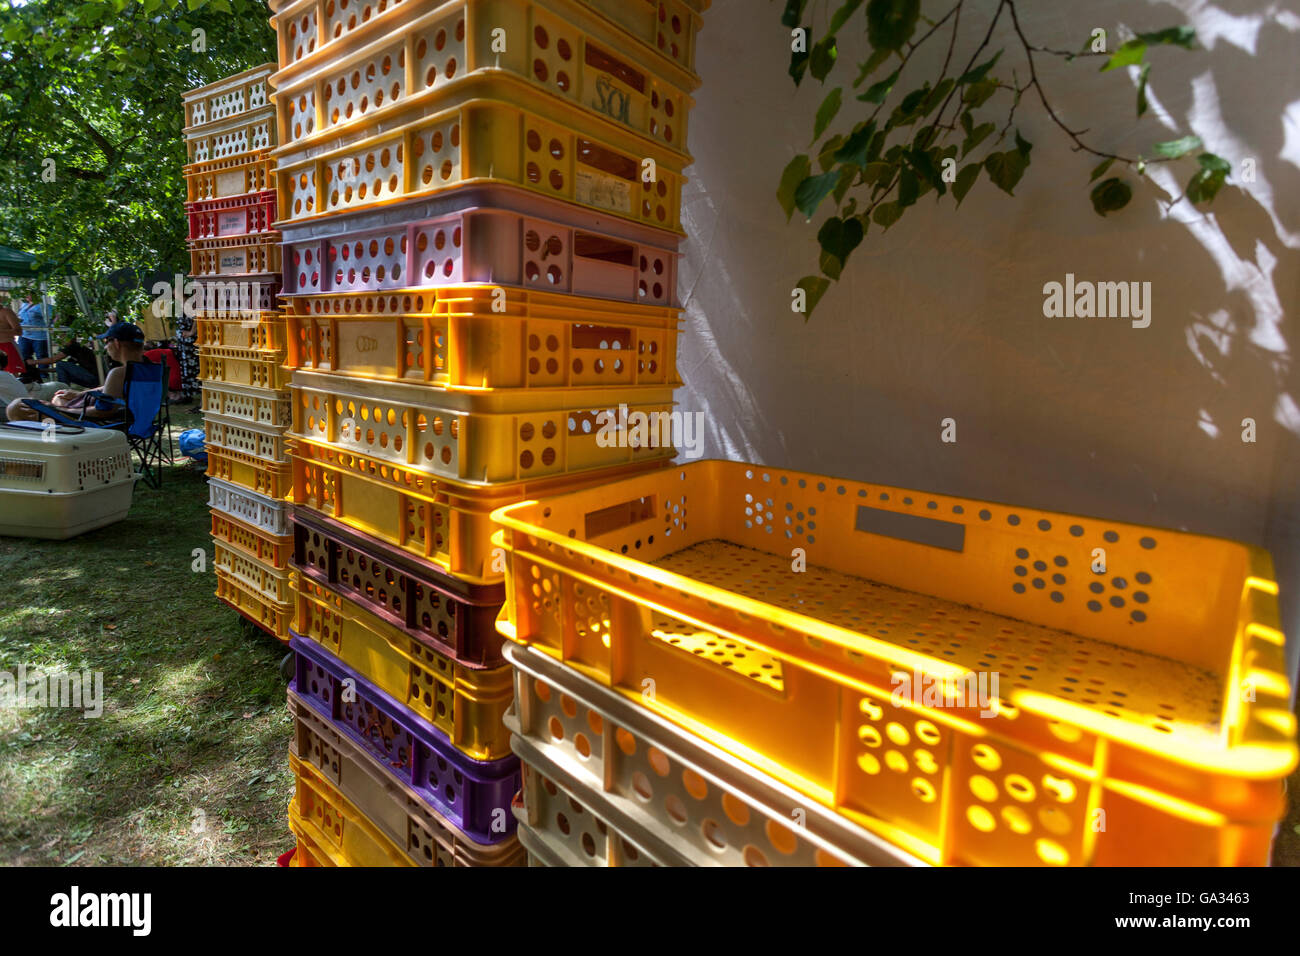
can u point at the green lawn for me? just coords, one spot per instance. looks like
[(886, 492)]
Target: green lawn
[(188, 764)]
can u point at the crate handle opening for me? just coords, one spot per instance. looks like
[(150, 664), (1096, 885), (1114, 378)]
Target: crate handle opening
[(616, 517), (600, 337), (603, 249), (917, 529)]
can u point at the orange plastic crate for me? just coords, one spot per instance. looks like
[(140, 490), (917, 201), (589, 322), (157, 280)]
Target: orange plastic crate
[(843, 638), (226, 365), (485, 337), (255, 254), (268, 615), (230, 176), (270, 550)]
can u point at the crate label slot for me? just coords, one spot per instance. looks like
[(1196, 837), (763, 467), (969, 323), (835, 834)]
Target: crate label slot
[(619, 516), (603, 190), (915, 528), (233, 262), (231, 224), (230, 184)]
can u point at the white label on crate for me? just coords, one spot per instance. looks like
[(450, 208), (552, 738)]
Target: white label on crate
[(230, 184), (603, 190), (231, 224), (233, 262)]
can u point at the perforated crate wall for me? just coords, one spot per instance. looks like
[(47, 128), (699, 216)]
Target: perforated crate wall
[(227, 99), (242, 299), (252, 131), (484, 245), (233, 366), (257, 332), (234, 216), (236, 255), (267, 515), (232, 176)]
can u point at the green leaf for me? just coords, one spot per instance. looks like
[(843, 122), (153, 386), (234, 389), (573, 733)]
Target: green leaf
[(975, 137), (891, 23), (877, 92), (1214, 163), (855, 148), (977, 74), (826, 155), (1209, 179), (877, 172), (838, 238), (873, 63), (796, 171), (793, 13), (976, 94), (824, 55), (1142, 88), (909, 188), (843, 13), (1100, 170), (1129, 54), (1110, 195), (826, 112), (814, 288), (798, 65), (1175, 148), (1005, 169), (937, 96), (1183, 36), (847, 175), (887, 213), (965, 180), (810, 193), (925, 168)]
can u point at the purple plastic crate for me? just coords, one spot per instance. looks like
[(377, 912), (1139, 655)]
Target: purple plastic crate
[(467, 792)]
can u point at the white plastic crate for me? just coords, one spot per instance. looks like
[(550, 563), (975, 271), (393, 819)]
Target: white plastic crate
[(226, 99), (265, 514)]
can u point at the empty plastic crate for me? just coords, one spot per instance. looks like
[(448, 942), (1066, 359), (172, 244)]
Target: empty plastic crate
[(368, 819), (548, 247), (677, 799), (267, 549), (560, 828), (268, 615), (62, 482), (484, 437), (236, 255), (249, 404), (273, 479), (472, 795), (231, 176), (311, 31), (227, 99), (267, 515), (1153, 692), (442, 522), (269, 583), (453, 615), (464, 703), (248, 132), (555, 45), (261, 332), (480, 337), (501, 131), (260, 441), (235, 216), (225, 365)]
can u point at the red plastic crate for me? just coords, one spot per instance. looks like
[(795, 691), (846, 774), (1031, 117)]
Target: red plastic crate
[(232, 216)]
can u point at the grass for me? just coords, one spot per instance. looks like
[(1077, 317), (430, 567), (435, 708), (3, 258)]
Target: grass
[(188, 764)]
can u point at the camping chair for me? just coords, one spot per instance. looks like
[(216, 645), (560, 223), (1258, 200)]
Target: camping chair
[(148, 418)]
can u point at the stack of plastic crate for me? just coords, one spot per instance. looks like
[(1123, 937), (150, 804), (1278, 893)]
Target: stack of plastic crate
[(234, 283), (479, 202)]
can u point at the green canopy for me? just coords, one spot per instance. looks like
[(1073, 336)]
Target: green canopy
[(21, 265)]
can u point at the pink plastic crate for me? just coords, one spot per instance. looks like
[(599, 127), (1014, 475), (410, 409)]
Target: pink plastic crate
[(234, 216), (486, 244)]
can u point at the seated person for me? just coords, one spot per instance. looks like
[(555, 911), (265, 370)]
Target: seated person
[(125, 343), (10, 387), (74, 364)]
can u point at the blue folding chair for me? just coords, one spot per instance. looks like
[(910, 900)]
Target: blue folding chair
[(148, 418)]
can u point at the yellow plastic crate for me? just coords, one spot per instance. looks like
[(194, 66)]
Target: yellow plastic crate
[(439, 521), (259, 332), (334, 826), (230, 176), (248, 403), (481, 437), (558, 47), (819, 629), (499, 130), (272, 551), (485, 337), (465, 704), (273, 479), (235, 255), (268, 615), (233, 366), (260, 441), (255, 574), (314, 31)]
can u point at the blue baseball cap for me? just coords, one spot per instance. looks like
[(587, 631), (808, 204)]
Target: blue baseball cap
[(124, 332)]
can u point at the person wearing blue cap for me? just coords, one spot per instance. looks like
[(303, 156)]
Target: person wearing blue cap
[(125, 344)]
